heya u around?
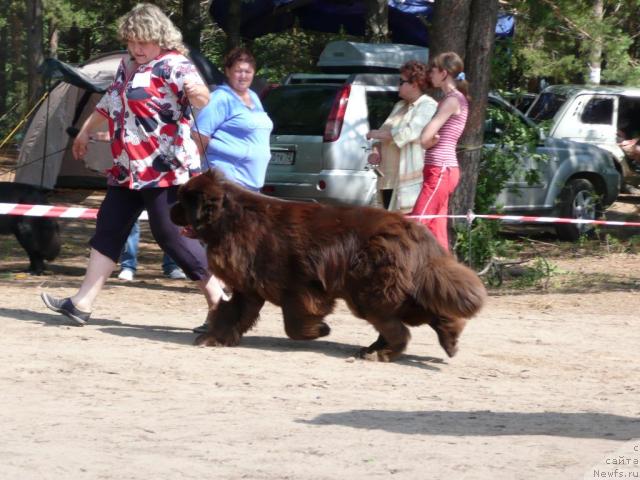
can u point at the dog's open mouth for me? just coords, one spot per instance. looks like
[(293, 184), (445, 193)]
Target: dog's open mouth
[(189, 232)]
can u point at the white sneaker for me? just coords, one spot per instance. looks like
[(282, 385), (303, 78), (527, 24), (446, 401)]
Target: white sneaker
[(126, 274), (176, 274)]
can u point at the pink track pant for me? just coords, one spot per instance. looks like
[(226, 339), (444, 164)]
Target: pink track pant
[(437, 186)]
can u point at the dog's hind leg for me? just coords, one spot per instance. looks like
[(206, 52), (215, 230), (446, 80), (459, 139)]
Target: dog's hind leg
[(231, 320), (392, 341), (304, 316)]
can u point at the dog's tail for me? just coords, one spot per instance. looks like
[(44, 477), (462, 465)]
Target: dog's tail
[(449, 289)]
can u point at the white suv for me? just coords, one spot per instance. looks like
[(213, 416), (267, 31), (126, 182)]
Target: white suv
[(599, 115)]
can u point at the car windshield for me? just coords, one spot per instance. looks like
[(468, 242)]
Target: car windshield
[(546, 106), (300, 109)]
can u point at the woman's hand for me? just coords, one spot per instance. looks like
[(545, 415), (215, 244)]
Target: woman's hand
[(197, 93), (80, 145), (96, 121), (431, 142)]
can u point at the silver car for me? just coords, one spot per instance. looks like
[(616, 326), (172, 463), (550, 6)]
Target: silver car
[(573, 179), (318, 146)]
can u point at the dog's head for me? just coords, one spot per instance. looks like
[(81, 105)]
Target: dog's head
[(200, 202)]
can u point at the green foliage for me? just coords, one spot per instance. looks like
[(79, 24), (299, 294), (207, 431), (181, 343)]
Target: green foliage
[(296, 50), (554, 39), (511, 138), (478, 245), (533, 275)]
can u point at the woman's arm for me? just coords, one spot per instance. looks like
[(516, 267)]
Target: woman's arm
[(384, 135), (448, 107), (413, 122), (197, 93), (201, 141), (96, 121)]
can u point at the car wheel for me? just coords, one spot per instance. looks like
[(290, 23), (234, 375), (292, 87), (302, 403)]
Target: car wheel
[(578, 200)]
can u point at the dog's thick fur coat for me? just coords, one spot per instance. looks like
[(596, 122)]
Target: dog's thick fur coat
[(39, 236), (302, 256)]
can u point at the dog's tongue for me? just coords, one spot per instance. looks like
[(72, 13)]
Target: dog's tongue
[(188, 232)]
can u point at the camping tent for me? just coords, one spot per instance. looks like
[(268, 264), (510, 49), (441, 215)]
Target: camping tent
[(45, 152), (69, 103)]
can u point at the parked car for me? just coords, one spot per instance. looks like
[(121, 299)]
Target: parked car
[(599, 115), (319, 150), (574, 179)]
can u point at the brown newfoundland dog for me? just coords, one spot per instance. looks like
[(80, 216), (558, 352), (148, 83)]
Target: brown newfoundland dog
[(303, 256)]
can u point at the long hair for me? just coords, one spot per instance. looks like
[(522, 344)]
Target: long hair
[(454, 66), (147, 23)]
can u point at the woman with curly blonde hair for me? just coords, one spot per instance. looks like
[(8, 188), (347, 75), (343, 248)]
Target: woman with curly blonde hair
[(147, 110), (147, 23)]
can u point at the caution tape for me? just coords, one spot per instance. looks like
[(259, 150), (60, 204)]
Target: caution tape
[(52, 211), (23, 209), (530, 219)]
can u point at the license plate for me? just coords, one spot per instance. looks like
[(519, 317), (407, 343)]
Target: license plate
[(282, 158)]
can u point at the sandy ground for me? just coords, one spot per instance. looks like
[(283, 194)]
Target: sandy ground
[(546, 385)]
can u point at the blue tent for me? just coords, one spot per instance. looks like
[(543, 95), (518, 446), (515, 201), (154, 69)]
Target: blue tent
[(406, 17)]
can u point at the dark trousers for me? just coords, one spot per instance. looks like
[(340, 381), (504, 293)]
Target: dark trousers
[(119, 211)]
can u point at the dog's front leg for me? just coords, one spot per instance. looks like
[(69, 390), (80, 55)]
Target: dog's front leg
[(231, 320), (392, 341)]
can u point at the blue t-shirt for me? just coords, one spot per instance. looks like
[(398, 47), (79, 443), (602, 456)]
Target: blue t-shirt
[(239, 136)]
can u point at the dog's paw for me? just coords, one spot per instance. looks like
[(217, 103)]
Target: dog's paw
[(366, 353), (323, 330), (208, 340)]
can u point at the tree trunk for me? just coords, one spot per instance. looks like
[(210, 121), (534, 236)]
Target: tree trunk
[(4, 60), (467, 27), (35, 56), (595, 54), (449, 27), (477, 70), (234, 21), (191, 23), (54, 39), (377, 21)]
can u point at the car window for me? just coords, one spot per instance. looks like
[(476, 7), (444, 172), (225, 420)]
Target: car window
[(380, 105), (546, 106), (300, 109), (598, 111), (629, 117)]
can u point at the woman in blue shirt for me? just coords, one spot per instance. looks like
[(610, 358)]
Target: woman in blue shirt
[(233, 130)]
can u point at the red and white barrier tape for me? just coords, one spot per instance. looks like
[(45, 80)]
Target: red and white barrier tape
[(530, 219), (91, 213), (52, 211)]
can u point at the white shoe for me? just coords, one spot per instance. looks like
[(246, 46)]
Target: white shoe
[(126, 274), (176, 274)]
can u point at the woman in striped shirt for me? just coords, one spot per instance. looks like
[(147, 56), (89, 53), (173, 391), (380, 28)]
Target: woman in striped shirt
[(440, 138)]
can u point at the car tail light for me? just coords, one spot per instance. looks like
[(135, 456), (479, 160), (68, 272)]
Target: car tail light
[(336, 116)]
